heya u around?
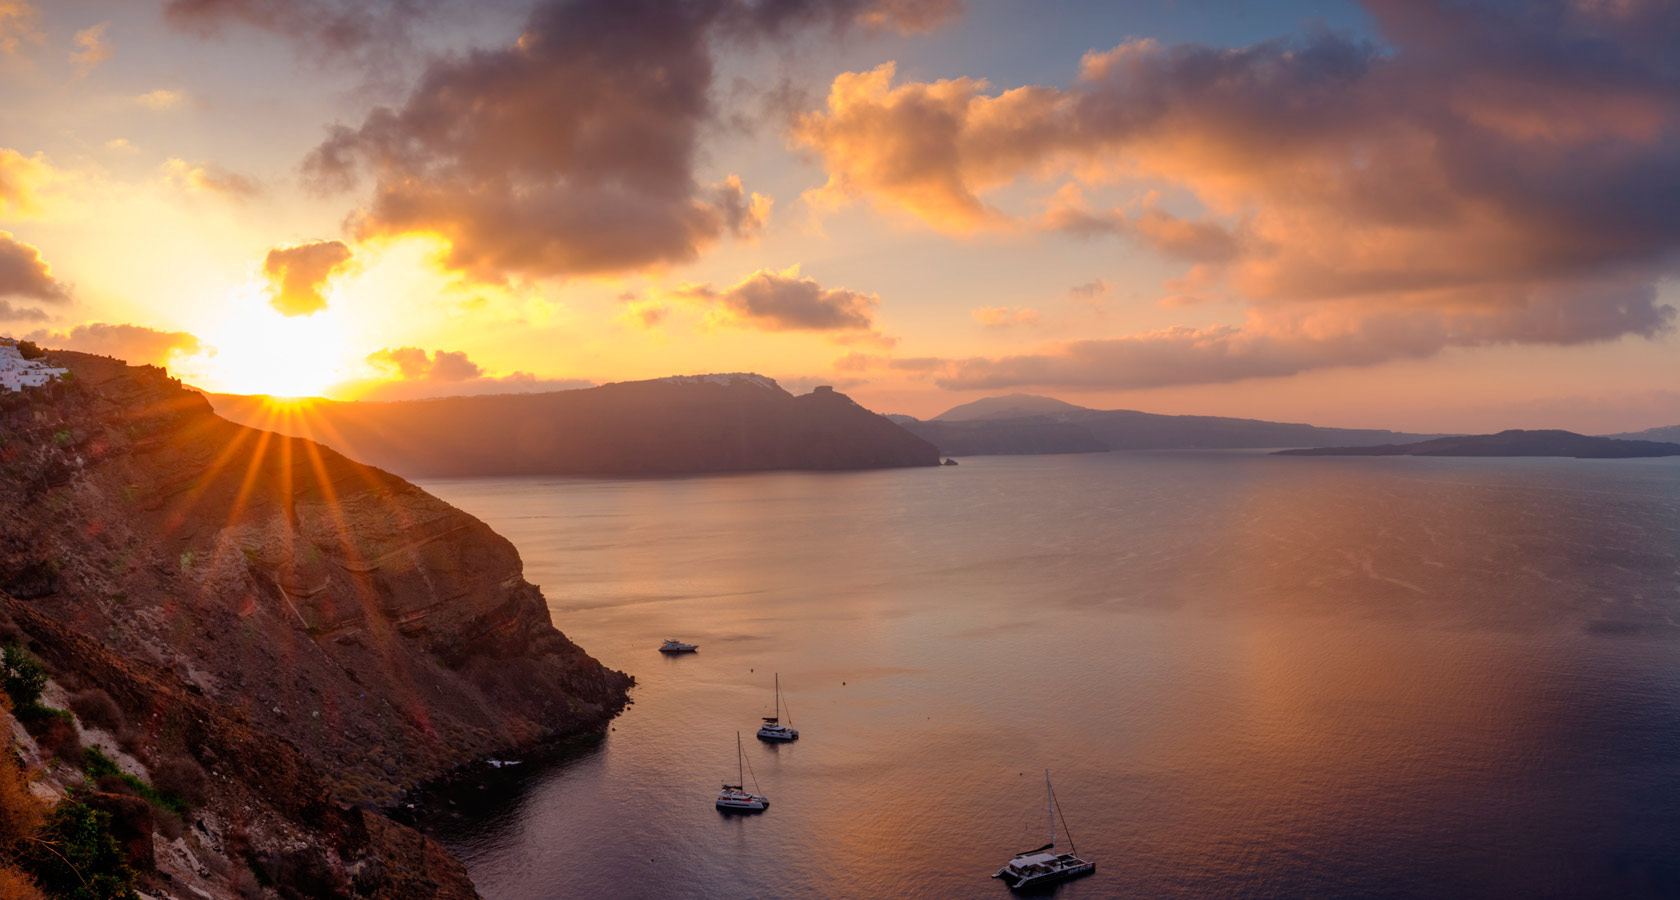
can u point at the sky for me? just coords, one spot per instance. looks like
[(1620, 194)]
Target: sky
[(1409, 214)]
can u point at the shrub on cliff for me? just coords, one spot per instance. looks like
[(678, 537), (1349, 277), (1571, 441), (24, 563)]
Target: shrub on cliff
[(24, 677), (21, 812), (96, 708), (182, 777), (77, 858), (30, 350)]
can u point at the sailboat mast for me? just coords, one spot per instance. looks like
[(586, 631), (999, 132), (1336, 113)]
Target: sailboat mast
[(778, 696), (740, 778), (1050, 799)]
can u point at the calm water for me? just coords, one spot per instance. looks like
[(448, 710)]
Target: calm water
[(1251, 676)]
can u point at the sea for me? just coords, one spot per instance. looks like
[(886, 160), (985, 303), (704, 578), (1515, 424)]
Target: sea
[(1247, 676)]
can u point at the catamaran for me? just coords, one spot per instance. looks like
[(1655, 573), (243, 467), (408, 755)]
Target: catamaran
[(735, 796), (673, 646), (1045, 865), (773, 729)]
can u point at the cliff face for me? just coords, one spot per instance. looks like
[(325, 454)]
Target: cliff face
[(734, 423), (369, 633)]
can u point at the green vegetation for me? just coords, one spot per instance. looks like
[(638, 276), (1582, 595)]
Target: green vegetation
[(24, 678), (97, 765), (77, 858), (30, 350)]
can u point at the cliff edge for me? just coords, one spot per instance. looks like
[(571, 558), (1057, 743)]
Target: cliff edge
[(363, 634)]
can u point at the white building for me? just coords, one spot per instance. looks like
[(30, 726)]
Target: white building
[(17, 373)]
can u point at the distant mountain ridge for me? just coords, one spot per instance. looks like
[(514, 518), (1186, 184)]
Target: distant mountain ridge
[(1666, 434), (689, 424), (1026, 423), (1515, 442)]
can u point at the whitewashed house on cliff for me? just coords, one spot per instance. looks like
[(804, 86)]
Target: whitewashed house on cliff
[(17, 373)]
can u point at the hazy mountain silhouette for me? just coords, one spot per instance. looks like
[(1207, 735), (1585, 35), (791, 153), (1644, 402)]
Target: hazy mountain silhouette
[(684, 425), (1024, 423), (1516, 442), (1669, 434)]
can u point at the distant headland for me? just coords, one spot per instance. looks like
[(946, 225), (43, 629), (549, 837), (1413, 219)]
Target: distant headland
[(1516, 442)]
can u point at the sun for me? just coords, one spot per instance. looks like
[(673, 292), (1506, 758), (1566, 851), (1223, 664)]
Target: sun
[(259, 351)]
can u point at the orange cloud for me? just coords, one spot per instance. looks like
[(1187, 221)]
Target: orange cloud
[(22, 178), (18, 25), (297, 275), (1454, 194), (159, 99), (209, 178), (136, 344), (1005, 316), (24, 274), (783, 301), (91, 48), (413, 373)]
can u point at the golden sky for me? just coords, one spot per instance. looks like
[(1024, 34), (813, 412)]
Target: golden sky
[(1416, 215)]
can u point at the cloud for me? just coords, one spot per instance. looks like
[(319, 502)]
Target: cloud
[(362, 32), (209, 178), (137, 344), (1269, 345), (572, 151), (413, 373), (1486, 174), (414, 364), (1004, 316), (298, 274), (645, 314), (1193, 241), (159, 99), (23, 273), (1090, 291), (782, 301), (863, 362), (11, 313), (21, 180), (18, 25), (91, 48)]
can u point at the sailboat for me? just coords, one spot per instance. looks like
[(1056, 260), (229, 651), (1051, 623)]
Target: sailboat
[(773, 729), (1045, 865), (735, 796)]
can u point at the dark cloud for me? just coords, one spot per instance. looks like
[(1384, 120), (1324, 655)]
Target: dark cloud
[(572, 151), (415, 373), (297, 275), (359, 32), (136, 344), (23, 273), (783, 301), (1489, 172), (11, 313), (1090, 291)]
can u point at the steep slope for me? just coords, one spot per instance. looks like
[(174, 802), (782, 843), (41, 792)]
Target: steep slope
[(715, 423), (1515, 442), (993, 427), (369, 635)]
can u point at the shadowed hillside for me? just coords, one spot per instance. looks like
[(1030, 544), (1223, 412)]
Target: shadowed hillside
[(713, 423)]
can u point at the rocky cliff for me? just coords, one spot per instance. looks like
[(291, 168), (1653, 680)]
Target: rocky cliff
[(332, 634), (671, 426)]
